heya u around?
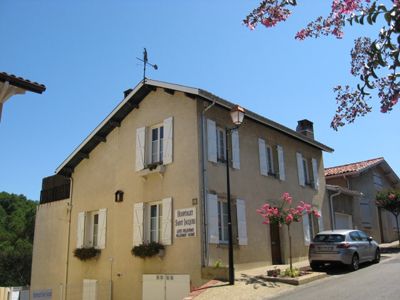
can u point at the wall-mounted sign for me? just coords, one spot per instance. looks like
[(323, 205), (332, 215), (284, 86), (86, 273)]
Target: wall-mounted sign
[(185, 222), (42, 294)]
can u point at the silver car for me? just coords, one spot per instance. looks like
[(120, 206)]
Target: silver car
[(349, 247)]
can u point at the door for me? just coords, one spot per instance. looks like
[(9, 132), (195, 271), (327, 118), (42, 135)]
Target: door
[(343, 221), (275, 244)]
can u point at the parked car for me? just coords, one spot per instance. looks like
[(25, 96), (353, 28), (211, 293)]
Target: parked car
[(348, 247)]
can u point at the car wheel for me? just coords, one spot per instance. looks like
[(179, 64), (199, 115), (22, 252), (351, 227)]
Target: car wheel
[(377, 258), (315, 266), (355, 263)]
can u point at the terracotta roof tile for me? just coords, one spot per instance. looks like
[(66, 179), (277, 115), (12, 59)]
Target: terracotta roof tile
[(22, 82), (353, 167)]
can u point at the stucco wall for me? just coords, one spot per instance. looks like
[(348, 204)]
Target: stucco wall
[(111, 167), (50, 247), (248, 184)]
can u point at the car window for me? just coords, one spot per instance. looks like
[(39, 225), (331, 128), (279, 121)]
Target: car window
[(329, 238), (354, 236), (363, 235)]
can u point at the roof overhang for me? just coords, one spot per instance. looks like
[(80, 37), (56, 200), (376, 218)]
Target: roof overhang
[(132, 101), (343, 190)]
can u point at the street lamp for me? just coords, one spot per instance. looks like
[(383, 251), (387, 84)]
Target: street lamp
[(237, 115)]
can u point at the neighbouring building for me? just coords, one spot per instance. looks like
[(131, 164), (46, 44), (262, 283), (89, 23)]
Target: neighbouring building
[(11, 85), (155, 170), (352, 190)]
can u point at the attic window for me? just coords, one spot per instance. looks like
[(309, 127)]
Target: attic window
[(119, 196)]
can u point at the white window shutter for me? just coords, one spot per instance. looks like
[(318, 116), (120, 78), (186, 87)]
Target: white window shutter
[(241, 220), (166, 233), (300, 169), (168, 140), (306, 229), (89, 289), (315, 173), (212, 219), (140, 148), (80, 235), (102, 229), (211, 140), (138, 213), (320, 222), (235, 150), (263, 157), (281, 163)]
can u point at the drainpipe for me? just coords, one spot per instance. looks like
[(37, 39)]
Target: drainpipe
[(205, 256), (333, 223), (69, 236)]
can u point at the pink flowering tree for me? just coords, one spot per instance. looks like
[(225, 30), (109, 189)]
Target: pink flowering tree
[(390, 201), (286, 214), (374, 62)]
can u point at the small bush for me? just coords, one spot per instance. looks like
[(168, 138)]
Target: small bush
[(147, 249), (86, 253)]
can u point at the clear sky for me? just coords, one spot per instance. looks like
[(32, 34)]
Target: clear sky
[(85, 53)]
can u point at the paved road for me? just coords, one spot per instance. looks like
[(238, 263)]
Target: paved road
[(370, 282)]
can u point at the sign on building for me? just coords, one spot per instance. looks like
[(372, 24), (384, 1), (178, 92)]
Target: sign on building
[(185, 222)]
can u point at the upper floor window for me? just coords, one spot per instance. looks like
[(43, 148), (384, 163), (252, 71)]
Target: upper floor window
[(92, 229), (221, 144), (306, 172), (157, 139), (267, 155), (154, 145), (270, 160), (303, 171)]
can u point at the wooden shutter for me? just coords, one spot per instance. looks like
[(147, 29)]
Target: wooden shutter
[(168, 141), (306, 229), (80, 235), (212, 219), (235, 150), (140, 148), (315, 173), (300, 169), (89, 289), (102, 229), (166, 232), (211, 140), (241, 221), (281, 163), (320, 222), (138, 212), (263, 157)]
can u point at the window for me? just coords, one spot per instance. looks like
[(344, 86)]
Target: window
[(266, 155), (152, 222), (303, 171), (156, 145), (306, 172), (378, 182), (155, 221), (221, 144), (223, 221), (91, 229), (270, 160)]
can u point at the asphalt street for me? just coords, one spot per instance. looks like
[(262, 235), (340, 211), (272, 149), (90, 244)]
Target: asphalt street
[(370, 282)]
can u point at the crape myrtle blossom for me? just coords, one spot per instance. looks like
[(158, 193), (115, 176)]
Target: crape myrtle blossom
[(374, 62)]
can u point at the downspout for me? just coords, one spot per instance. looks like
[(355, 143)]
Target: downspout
[(333, 223), (205, 256), (69, 236)]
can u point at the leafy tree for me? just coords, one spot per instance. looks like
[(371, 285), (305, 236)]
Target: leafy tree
[(17, 221), (375, 62), (285, 214), (390, 201)]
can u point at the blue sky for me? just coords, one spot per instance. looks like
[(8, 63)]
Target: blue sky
[(85, 53)]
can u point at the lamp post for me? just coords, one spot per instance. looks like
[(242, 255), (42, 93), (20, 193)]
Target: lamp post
[(237, 115)]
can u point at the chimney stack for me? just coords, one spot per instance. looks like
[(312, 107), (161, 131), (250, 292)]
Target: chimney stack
[(306, 128), (126, 93)]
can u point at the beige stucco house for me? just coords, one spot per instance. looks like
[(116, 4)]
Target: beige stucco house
[(352, 190), (154, 170)]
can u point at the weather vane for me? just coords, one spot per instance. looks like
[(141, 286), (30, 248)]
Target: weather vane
[(146, 62)]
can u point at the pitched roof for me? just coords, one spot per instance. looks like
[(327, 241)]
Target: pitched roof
[(353, 167), (137, 94), (22, 83)]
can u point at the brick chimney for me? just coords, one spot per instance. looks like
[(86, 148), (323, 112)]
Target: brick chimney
[(306, 128)]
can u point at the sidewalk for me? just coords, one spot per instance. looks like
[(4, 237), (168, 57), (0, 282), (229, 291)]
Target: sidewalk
[(247, 286)]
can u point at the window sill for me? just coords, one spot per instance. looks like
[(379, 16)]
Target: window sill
[(160, 170)]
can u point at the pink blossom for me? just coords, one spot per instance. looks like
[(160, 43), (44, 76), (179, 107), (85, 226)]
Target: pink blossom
[(289, 219), (392, 197)]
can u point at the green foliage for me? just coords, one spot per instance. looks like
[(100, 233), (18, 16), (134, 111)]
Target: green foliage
[(86, 253), (147, 249), (389, 201), (17, 222), (291, 272)]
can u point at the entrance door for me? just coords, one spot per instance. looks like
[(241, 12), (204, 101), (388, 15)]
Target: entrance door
[(275, 244)]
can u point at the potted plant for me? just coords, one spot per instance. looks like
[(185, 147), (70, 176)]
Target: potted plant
[(148, 250), (86, 253)]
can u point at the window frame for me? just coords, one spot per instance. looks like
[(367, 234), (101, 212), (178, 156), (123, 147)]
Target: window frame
[(91, 230), (270, 159), (160, 140), (221, 151), (159, 222), (222, 226), (306, 170)]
